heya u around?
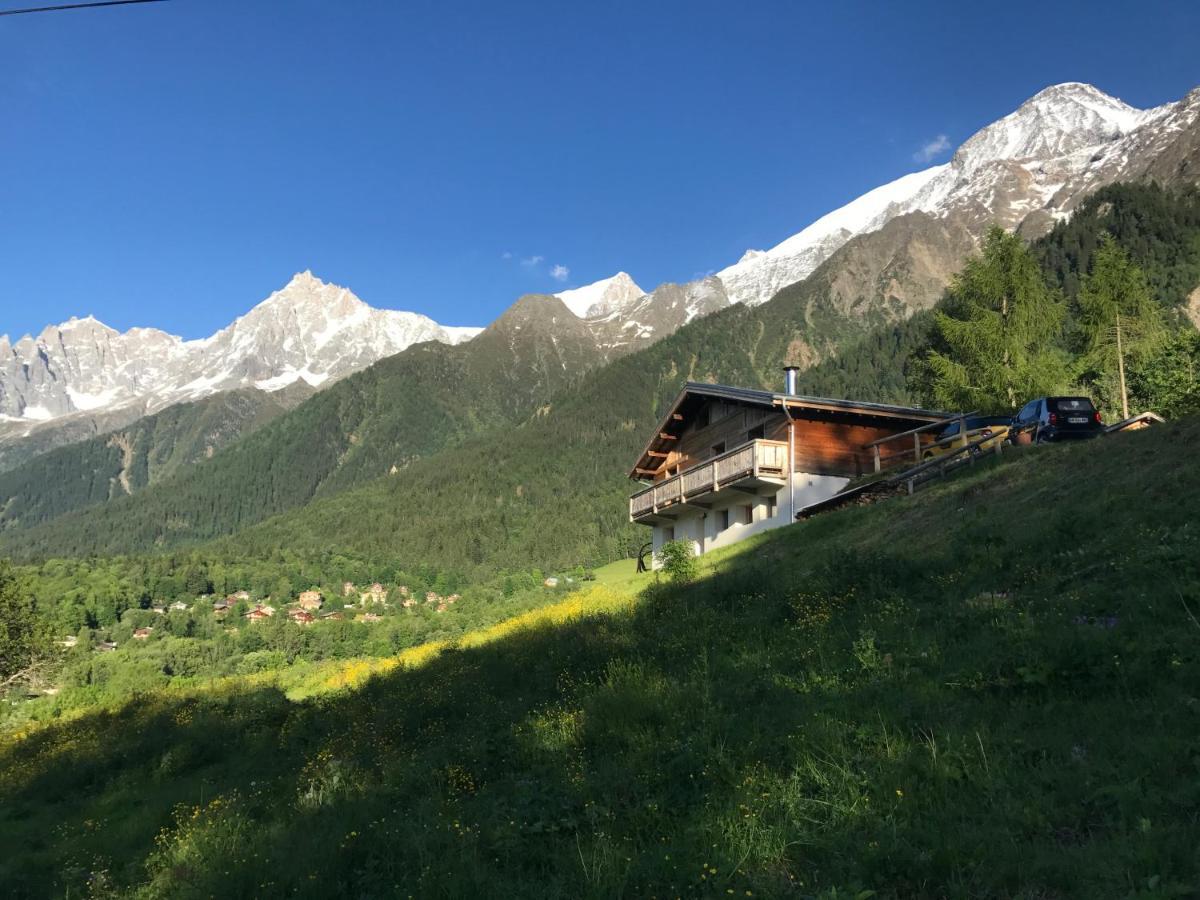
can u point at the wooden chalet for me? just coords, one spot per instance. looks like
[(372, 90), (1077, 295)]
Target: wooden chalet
[(726, 462), (301, 616)]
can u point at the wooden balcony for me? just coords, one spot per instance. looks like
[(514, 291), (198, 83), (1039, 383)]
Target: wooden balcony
[(753, 468)]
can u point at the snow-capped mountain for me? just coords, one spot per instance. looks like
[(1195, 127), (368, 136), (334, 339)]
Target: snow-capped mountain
[(601, 298), (1026, 170), (309, 331)]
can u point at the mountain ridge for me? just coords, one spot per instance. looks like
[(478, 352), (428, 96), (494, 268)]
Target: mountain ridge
[(1025, 171), (83, 365)]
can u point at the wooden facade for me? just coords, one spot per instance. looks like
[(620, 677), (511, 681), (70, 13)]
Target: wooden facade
[(715, 437)]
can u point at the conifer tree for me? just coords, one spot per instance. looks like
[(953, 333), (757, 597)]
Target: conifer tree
[(20, 632), (1120, 322), (1000, 345)]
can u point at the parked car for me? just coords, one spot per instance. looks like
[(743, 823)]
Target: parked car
[(992, 430), (1056, 419)]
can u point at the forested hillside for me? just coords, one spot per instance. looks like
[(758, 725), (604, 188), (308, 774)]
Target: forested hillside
[(1159, 228), (377, 420), (470, 502), (129, 459)]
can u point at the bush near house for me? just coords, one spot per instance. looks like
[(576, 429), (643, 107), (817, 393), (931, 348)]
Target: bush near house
[(679, 561)]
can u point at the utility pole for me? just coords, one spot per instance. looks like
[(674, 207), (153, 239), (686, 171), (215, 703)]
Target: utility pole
[(1121, 372)]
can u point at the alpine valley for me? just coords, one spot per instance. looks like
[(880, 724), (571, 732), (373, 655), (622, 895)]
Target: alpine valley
[(122, 412), (343, 602)]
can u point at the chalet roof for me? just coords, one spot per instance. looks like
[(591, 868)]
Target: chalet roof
[(697, 390)]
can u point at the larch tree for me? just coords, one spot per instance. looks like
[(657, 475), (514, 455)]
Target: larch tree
[(1000, 339), (1120, 322)]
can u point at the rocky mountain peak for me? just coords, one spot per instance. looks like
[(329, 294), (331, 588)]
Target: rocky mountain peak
[(309, 331), (1057, 121), (603, 297)]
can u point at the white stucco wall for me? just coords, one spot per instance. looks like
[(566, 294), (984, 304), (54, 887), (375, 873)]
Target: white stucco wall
[(702, 527)]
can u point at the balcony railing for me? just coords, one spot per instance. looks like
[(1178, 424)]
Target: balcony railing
[(756, 460)]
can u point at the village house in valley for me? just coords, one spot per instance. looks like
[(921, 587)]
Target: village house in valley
[(727, 462), (376, 593), (309, 600)]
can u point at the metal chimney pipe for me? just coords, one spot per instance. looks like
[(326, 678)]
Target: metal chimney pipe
[(790, 374)]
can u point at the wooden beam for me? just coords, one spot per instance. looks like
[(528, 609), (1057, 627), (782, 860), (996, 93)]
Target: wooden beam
[(657, 454), (668, 437), (677, 417), (642, 471)]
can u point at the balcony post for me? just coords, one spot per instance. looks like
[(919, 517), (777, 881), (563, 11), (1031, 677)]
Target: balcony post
[(875, 453)]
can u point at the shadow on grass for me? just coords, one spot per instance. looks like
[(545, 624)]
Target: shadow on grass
[(969, 693)]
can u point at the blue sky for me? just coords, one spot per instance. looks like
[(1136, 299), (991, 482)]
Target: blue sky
[(171, 164)]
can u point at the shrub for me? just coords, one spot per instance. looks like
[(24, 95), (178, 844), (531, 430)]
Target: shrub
[(679, 561)]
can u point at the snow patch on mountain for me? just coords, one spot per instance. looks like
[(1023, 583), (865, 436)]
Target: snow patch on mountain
[(759, 274), (602, 297)]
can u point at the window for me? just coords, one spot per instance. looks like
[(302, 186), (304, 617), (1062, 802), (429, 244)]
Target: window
[(718, 448), (1073, 405), (747, 514), (772, 507), (722, 520), (757, 433), (668, 533)]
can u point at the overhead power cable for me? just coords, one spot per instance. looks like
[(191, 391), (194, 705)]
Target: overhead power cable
[(39, 9)]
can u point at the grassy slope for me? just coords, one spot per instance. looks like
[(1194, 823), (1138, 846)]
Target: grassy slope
[(988, 690)]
